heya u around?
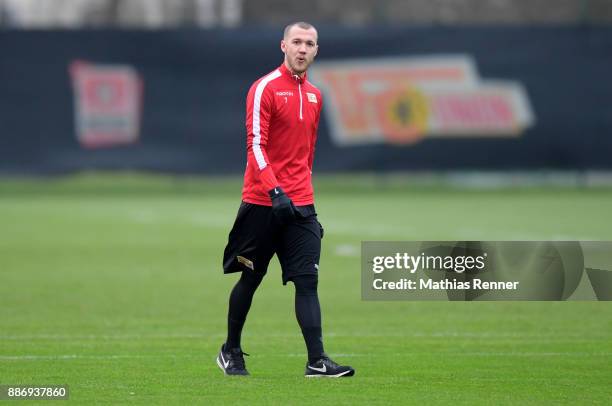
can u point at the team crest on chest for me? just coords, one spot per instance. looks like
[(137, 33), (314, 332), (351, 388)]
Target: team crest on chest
[(312, 97)]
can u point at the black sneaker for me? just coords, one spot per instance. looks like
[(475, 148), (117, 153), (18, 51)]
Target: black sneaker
[(325, 367), (232, 361)]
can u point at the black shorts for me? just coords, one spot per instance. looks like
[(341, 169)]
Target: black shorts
[(257, 235)]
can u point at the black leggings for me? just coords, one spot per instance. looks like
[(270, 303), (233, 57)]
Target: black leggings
[(307, 310), (239, 305)]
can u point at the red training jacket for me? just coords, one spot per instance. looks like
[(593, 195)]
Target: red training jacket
[(282, 116)]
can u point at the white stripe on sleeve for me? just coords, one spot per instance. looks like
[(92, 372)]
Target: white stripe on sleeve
[(259, 157)]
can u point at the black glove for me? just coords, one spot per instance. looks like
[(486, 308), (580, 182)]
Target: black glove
[(282, 207), (321, 229)]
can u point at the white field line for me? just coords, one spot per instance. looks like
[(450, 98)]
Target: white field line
[(31, 357), (195, 219), (141, 356), (534, 354), (484, 335), (347, 250), (103, 337), (353, 229), (217, 222), (71, 356)]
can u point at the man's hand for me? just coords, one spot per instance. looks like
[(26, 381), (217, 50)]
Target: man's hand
[(282, 207)]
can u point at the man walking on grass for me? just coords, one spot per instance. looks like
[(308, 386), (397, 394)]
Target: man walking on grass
[(277, 213)]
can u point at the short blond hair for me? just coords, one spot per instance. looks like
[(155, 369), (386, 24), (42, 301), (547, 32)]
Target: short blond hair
[(302, 24)]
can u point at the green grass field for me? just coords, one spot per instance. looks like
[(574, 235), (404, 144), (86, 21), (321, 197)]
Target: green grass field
[(113, 285)]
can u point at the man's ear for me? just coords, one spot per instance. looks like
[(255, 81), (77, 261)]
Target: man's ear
[(283, 46)]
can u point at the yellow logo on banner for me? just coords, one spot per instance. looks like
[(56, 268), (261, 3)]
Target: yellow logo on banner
[(405, 115)]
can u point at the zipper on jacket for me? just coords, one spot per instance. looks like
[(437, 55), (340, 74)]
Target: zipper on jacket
[(300, 91)]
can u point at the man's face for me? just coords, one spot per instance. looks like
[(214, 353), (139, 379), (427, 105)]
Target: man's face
[(300, 47)]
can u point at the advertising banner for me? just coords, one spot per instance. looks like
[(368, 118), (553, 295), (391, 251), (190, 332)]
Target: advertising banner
[(108, 104), (402, 100)]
